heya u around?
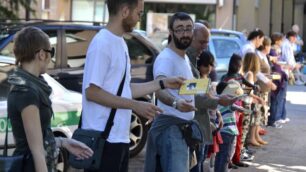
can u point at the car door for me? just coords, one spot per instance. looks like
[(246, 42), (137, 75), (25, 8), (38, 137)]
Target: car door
[(142, 55), (223, 48), (75, 43)]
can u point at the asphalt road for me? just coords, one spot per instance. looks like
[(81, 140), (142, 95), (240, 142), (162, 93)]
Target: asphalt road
[(286, 151)]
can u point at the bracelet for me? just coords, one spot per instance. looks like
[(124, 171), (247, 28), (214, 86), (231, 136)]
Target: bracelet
[(161, 84)]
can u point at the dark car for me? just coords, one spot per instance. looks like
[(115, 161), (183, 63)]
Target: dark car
[(71, 41)]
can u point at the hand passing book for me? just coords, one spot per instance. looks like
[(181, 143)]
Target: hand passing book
[(195, 86)]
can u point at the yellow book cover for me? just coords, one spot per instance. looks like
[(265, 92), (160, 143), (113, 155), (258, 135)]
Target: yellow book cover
[(276, 76), (194, 86)]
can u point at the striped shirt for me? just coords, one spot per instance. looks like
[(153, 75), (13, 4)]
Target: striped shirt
[(229, 120)]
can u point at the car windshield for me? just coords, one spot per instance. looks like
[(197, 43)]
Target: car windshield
[(225, 47), (3, 35), (5, 69)]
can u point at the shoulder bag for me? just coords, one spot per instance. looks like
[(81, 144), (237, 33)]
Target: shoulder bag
[(17, 163), (94, 139)]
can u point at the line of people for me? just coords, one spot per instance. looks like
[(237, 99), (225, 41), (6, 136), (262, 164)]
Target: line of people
[(185, 128)]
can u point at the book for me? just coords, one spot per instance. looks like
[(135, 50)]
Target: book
[(276, 76), (194, 86)]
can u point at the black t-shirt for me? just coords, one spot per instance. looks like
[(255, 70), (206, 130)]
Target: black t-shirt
[(18, 99)]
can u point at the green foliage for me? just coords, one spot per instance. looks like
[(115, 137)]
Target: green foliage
[(9, 9)]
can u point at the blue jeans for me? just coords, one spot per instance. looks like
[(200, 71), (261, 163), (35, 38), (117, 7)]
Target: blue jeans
[(281, 112), (278, 105), (173, 152), (201, 155), (223, 157)]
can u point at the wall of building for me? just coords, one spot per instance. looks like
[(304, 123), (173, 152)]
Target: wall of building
[(288, 15), (59, 10), (299, 16), (224, 15), (246, 19), (263, 16), (276, 19)]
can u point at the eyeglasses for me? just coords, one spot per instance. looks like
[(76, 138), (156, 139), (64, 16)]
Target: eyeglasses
[(52, 51), (182, 30)]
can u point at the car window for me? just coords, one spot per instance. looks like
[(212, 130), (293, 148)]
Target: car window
[(5, 70), (225, 48), (8, 49), (77, 42), (139, 53), (53, 40)]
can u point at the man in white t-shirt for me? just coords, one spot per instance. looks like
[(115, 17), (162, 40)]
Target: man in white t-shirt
[(107, 60), (166, 148), (288, 57)]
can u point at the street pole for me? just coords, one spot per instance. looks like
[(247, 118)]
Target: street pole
[(270, 18), (282, 23), (27, 10), (234, 22)]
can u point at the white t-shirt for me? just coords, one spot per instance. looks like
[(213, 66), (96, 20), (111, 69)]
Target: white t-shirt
[(287, 53), (170, 64), (106, 60), (249, 47)]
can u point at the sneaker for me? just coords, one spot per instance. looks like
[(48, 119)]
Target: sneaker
[(286, 120), (247, 157), (276, 125), (249, 151), (299, 82), (280, 121)]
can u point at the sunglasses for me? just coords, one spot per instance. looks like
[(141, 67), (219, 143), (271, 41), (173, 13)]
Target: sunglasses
[(52, 51)]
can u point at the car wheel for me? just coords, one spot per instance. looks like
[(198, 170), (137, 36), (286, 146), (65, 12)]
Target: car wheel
[(62, 161), (138, 134)]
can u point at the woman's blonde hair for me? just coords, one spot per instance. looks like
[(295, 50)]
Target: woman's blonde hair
[(251, 63)]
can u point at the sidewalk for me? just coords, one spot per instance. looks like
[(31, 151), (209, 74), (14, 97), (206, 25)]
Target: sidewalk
[(286, 151)]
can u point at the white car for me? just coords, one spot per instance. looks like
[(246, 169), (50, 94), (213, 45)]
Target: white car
[(66, 105)]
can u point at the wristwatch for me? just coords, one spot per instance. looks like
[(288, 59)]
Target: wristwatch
[(174, 104)]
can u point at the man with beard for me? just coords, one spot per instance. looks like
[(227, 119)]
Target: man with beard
[(107, 66), (166, 148)]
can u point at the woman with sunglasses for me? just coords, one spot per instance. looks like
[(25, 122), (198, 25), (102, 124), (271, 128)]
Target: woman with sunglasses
[(29, 106)]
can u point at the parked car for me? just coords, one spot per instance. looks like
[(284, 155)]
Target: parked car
[(66, 105), (223, 43), (229, 33), (71, 41), (222, 48)]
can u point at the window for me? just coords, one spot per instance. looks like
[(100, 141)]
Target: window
[(139, 53), (8, 49), (46, 4), (53, 41), (92, 10), (77, 42), (4, 85), (225, 48)]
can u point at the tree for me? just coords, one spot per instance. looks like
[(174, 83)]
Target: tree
[(9, 8)]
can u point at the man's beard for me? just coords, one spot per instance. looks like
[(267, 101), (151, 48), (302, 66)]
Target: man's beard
[(128, 24), (183, 43)]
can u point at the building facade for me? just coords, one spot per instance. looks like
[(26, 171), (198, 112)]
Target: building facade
[(241, 15)]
